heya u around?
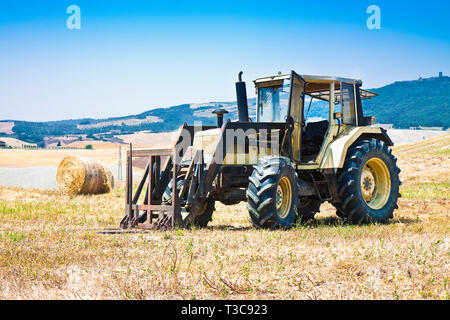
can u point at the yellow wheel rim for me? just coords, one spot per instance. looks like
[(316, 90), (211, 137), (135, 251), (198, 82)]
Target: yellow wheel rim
[(284, 197), (375, 183)]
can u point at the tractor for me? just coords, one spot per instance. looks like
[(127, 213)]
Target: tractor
[(283, 164)]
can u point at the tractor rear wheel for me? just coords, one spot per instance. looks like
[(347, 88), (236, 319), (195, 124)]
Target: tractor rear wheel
[(272, 193), (205, 215), (368, 183)]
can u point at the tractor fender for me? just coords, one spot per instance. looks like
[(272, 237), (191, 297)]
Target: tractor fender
[(336, 151)]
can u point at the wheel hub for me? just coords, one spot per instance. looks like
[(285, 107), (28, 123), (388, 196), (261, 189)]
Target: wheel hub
[(279, 197), (283, 197), (367, 183), (375, 183)]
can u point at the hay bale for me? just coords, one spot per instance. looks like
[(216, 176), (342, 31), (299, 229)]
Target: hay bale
[(77, 175)]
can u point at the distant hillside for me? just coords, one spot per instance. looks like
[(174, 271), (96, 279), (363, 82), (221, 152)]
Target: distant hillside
[(424, 102), (155, 120)]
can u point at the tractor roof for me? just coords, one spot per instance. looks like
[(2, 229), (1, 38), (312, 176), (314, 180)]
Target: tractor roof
[(316, 86)]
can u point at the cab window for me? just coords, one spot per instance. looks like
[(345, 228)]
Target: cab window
[(273, 103), (348, 104)]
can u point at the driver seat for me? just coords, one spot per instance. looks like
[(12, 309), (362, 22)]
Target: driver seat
[(313, 137)]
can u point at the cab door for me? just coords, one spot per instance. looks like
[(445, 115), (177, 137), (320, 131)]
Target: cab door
[(295, 119)]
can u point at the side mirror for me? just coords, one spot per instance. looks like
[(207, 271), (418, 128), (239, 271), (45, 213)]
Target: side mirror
[(337, 115)]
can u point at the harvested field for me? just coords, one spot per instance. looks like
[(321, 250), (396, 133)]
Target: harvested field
[(16, 143), (94, 144), (21, 158), (155, 140), (59, 247)]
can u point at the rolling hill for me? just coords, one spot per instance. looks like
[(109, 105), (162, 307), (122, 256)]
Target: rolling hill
[(423, 102)]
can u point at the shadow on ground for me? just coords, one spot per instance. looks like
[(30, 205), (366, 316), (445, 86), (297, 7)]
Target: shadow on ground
[(310, 224), (336, 221)]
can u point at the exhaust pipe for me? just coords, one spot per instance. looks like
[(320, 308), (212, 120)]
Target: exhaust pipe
[(241, 95), (220, 112)]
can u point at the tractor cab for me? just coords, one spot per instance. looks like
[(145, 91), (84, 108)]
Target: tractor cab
[(334, 102)]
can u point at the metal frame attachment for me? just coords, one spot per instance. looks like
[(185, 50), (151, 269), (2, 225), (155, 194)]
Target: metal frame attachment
[(156, 213)]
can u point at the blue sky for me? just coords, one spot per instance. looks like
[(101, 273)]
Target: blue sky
[(130, 56)]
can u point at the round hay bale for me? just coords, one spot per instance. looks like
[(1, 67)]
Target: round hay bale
[(77, 175)]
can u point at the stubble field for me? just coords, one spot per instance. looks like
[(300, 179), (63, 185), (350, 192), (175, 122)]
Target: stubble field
[(58, 247)]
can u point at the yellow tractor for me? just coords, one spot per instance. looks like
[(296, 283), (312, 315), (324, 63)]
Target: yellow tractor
[(284, 166)]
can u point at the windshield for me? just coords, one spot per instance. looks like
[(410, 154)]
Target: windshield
[(273, 103)]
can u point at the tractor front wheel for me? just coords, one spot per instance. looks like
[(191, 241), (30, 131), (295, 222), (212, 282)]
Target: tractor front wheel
[(272, 194)]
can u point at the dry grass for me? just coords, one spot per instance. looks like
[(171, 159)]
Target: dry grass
[(50, 248)]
